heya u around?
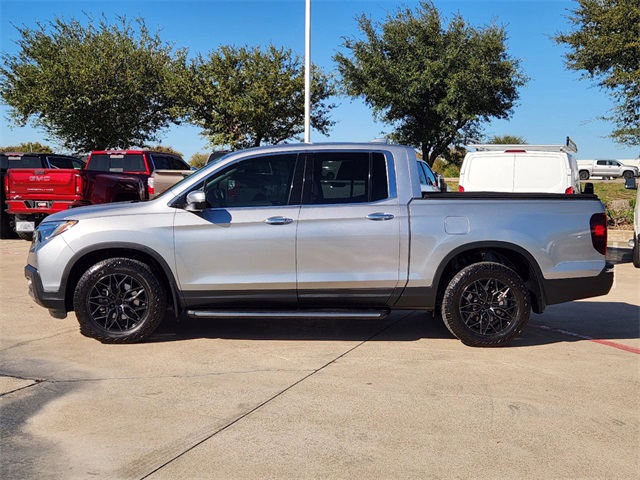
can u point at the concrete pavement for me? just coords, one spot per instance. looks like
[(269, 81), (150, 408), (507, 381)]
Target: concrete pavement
[(399, 398)]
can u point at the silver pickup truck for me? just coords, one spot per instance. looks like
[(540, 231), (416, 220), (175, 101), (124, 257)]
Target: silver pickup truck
[(326, 230)]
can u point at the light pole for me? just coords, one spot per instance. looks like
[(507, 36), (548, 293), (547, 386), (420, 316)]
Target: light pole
[(307, 72)]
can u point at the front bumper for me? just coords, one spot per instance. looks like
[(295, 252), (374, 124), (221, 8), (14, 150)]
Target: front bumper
[(569, 289), (54, 301)]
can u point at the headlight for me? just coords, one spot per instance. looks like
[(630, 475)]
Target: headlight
[(47, 230)]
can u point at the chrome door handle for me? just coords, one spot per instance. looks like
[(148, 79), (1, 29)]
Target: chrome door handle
[(378, 217), (278, 221)]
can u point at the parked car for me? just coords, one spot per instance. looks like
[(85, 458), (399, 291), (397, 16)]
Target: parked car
[(606, 169), (291, 245), (13, 160), (520, 168), (157, 170), (34, 193)]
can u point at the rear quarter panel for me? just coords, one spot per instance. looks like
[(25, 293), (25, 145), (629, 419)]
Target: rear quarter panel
[(555, 232)]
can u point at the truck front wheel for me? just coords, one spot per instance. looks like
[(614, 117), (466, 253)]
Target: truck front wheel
[(119, 300), (486, 305), (627, 174)]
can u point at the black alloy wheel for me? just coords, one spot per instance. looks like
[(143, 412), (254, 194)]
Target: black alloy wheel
[(119, 300), (486, 304)]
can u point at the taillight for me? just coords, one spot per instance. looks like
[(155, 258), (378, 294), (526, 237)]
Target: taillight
[(598, 225), (460, 188), (150, 187), (79, 185), (569, 190), (6, 184)]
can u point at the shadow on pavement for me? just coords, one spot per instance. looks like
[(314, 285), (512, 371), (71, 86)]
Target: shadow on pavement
[(585, 320)]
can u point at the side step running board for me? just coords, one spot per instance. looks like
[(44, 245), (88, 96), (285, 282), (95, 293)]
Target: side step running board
[(335, 314)]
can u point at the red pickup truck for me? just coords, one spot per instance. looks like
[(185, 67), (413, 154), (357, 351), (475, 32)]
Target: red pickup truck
[(108, 176), (157, 170)]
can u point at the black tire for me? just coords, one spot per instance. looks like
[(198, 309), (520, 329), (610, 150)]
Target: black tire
[(627, 174), (119, 300), (636, 252), (584, 175), (5, 226), (486, 305)]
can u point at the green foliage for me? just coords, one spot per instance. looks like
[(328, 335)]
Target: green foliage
[(94, 86), (619, 202), (164, 149), (434, 85), (246, 97), (605, 45), (507, 140), (198, 159), (36, 147), (452, 171), (439, 165)]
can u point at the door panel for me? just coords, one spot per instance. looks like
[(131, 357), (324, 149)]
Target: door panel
[(241, 251), (348, 249)]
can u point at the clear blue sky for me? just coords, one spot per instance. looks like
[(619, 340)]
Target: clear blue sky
[(554, 103)]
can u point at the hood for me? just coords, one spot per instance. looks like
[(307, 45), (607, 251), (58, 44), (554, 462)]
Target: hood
[(112, 209)]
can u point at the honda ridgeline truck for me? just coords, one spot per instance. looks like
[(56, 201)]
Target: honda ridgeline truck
[(269, 233)]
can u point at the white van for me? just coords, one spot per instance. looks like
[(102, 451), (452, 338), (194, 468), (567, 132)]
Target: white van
[(520, 169)]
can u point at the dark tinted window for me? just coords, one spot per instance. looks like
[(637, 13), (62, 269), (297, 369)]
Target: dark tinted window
[(425, 171), (168, 162), (65, 162), (21, 161), (117, 163), (255, 182), (348, 177)]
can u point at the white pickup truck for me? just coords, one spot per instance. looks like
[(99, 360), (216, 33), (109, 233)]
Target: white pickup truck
[(319, 230), (606, 169)]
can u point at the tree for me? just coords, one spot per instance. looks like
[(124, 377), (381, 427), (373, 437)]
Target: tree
[(605, 44), (245, 97), (28, 147), (164, 149), (94, 86), (434, 85), (507, 140), (198, 159)]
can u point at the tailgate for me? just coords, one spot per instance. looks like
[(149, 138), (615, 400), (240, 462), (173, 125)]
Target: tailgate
[(49, 183), (164, 179)]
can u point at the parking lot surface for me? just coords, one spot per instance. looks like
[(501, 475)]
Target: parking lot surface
[(394, 398)]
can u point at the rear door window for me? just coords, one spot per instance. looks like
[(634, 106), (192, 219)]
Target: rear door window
[(347, 177)]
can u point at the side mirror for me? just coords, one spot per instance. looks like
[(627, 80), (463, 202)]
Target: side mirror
[(196, 201), (442, 185), (588, 188)]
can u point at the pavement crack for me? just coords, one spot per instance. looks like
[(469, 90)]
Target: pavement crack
[(274, 397)]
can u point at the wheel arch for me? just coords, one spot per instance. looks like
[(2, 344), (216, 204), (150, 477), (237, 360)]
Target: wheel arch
[(84, 259), (508, 254)]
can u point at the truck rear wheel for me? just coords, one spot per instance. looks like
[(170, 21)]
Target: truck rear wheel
[(486, 305), (636, 252), (119, 300), (584, 175)]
